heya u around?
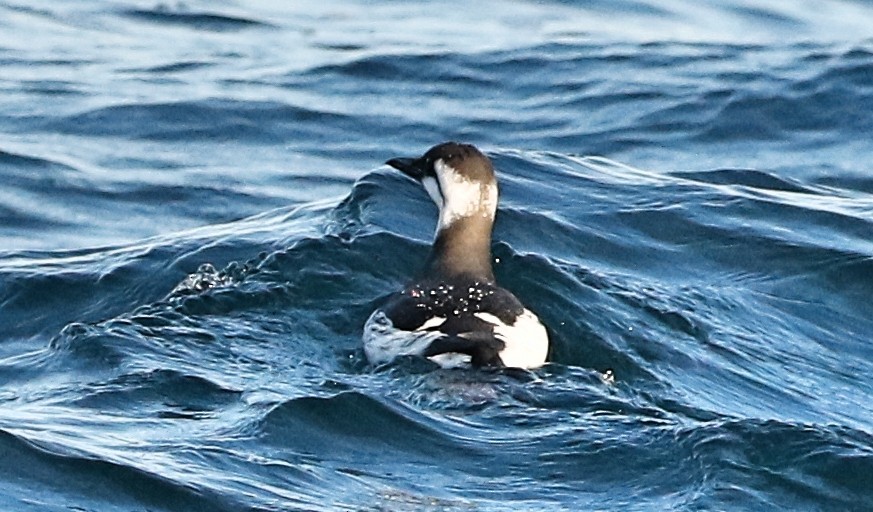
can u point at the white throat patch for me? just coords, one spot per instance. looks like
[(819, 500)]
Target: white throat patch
[(460, 197)]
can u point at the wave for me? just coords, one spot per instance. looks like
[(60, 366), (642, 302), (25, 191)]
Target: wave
[(197, 120), (112, 485), (207, 21), (617, 284), (717, 263)]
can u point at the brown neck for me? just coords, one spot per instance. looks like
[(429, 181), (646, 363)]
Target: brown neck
[(463, 249)]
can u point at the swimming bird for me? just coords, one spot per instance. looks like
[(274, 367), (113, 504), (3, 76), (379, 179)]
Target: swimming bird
[(454, 312)]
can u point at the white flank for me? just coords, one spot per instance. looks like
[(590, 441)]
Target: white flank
[(526, 340), (462, 197), (383, 342)]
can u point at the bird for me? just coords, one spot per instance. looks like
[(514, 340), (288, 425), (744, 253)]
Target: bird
[(454, 312)]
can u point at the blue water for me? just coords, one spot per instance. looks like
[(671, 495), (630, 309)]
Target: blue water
[(195, 222)]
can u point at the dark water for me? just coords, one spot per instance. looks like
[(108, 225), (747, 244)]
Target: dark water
[(195, 223)]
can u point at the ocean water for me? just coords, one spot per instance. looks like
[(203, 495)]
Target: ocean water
[(195, 222)]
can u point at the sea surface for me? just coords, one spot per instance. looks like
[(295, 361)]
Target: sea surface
[(196, 221)]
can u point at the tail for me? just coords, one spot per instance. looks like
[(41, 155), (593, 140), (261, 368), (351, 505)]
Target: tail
[(482, 347)]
